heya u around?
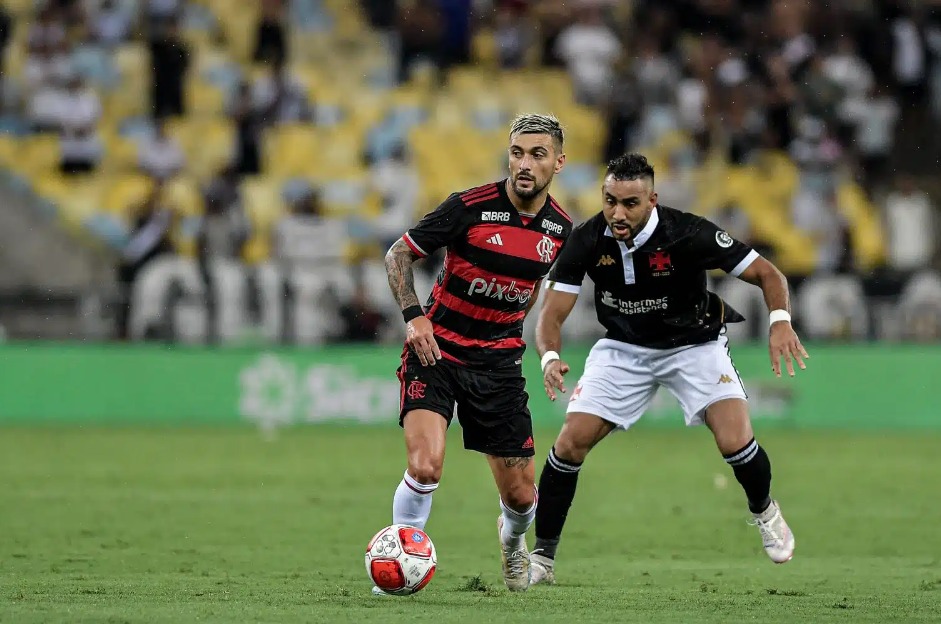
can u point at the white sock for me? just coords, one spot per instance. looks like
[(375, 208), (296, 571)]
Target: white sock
[(516, 523), (412, 502)]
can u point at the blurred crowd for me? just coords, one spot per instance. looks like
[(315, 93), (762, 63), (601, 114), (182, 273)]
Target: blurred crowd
[(834, 85)]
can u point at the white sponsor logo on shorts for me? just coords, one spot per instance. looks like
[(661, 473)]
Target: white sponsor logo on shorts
[(641, 306)]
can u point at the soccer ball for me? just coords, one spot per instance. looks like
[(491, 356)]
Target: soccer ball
[(401, 559)]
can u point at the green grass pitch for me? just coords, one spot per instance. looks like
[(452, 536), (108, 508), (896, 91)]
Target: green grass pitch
[(220, 525)]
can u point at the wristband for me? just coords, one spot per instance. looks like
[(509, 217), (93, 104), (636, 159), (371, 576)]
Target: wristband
[(412, 312), (779, 315), (550, 356)]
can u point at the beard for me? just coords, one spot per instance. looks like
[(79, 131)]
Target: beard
[(528, 194)]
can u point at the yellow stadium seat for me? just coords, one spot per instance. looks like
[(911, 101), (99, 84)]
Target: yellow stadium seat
[(264, 204), (208, 143), (203, 98), (865, 228), (76, 197), (288, 150), (124, 193), (183, 195), (37, 154)]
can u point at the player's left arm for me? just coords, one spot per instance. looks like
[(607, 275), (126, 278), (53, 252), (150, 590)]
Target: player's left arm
[(782, 340)]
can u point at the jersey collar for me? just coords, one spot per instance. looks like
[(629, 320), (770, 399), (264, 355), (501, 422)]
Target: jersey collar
[(644, 235)]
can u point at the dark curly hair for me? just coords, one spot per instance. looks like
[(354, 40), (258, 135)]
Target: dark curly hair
[(630, 167)]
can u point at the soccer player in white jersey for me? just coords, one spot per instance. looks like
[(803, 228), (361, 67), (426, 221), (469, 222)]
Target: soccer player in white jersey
[(648, 263)]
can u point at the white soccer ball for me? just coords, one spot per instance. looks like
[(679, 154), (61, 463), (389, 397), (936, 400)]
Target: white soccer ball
[(401, 559)]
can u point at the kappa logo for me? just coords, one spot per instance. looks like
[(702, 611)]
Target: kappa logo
[(416, 390), (545, 248), (605, 260), (496, 239), (724, 379), (550, 226), (495, 216)]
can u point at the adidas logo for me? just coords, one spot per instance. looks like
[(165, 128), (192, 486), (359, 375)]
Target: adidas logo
[(495, 240), (528, 444)]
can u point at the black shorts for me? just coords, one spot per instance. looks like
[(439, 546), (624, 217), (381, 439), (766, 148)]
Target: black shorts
[(491, 407)]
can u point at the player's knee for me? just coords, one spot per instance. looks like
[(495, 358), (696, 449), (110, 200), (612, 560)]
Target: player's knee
[(569, 449), (520, 496), (426, 470)]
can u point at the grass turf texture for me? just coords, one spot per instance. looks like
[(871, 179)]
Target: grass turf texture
[(168, 525)]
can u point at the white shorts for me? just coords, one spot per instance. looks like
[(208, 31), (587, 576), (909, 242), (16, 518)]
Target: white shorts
[(620, 380)]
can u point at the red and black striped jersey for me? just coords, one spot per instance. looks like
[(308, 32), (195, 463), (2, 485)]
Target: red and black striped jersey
[(495, 258)]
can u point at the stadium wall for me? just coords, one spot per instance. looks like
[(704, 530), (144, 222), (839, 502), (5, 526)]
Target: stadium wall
[(858, 386)]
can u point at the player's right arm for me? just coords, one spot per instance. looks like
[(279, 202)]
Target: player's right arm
[(436, 229), (563, 286)]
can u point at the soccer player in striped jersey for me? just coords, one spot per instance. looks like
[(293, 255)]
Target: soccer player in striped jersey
[(464, 348)]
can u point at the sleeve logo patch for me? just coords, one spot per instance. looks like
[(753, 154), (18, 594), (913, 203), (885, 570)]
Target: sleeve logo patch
[(723, 239)]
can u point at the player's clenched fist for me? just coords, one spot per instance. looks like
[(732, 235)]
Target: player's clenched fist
[(420, 335), (553, 377)]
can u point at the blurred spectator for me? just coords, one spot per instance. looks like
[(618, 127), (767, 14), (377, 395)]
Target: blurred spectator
[(160, 156), (552, 16), (512, 35), (223, 231), (911, 230), (270, 37), (47, 33), (149, 238), (817, 214), (278, 97), (455, 31), (397, 181), (420, 25), (248, 130), (6, 30), (874, 118), (170, 59), (305, 237), (381, 13), (360, 320), (224, 228), (909, 60), (80, 112), (589, 49), (622, 109), (111, 23)]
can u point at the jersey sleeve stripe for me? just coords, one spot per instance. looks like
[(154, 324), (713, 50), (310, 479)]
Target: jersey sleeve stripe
[(566, 288), (558, 208), (744, 264), (481, 198), (413, 245), (480, 190)]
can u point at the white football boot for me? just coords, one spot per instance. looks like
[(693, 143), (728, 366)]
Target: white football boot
[(776, 536), (541, 569), (516, 567)]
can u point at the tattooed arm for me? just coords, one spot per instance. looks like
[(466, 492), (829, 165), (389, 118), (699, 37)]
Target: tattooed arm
[(419, 331), (399, 261)]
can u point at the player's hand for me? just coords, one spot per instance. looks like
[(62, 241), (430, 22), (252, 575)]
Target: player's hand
[(420, 336), (783, 342), (553, 378)]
